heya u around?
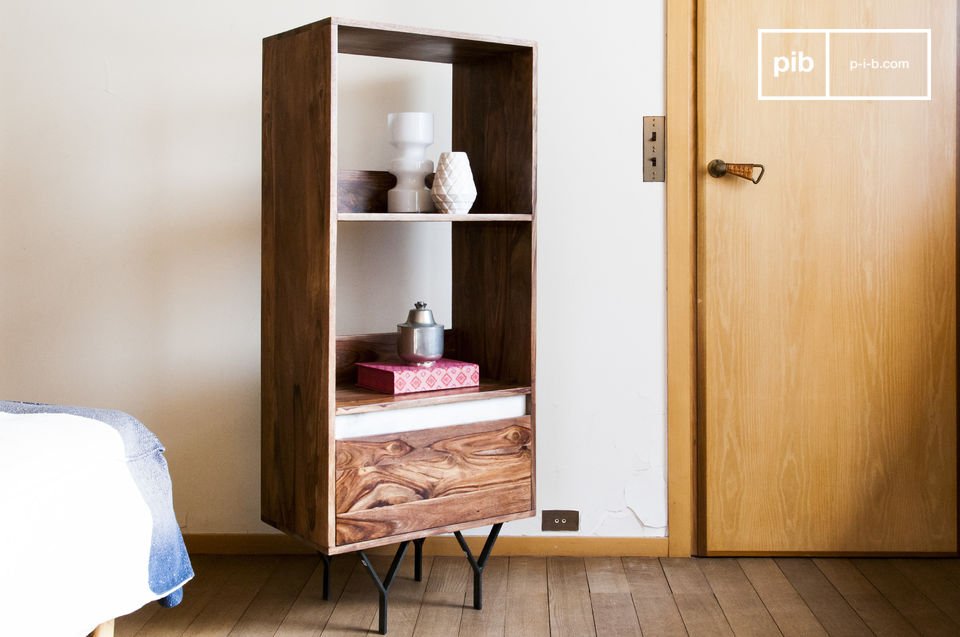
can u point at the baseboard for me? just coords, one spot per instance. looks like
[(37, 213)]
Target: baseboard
[(244, 544), (568, 546)]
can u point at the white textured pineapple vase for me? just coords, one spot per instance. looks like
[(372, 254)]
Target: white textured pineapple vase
[(453, 188)]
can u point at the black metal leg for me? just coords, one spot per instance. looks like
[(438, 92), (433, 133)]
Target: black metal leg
[(418, 559), (326, 575), (384, 585), (478, 563)]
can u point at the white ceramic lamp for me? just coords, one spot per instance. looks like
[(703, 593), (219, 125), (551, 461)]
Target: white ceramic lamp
[(410, 133)]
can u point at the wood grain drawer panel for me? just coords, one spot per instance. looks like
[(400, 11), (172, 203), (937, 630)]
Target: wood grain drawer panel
[(418, 480)]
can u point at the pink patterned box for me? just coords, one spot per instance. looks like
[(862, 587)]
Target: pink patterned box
[(395, 378)]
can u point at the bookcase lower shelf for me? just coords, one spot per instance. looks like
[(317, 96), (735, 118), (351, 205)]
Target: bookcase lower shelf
[(356, 400), (425, 533)]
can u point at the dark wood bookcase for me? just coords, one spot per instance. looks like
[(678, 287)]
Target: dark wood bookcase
[(342, 493)]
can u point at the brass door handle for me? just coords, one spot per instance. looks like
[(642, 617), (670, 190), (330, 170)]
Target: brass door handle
[(719, 168)]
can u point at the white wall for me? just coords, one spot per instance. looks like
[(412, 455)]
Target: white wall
[(130, 229)]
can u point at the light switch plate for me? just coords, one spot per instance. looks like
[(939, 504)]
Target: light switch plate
[(654, 148)]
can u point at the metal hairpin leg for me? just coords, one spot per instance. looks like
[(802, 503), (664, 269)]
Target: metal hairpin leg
[(478, 564), (418, 559), (326, 576), (384, 585)]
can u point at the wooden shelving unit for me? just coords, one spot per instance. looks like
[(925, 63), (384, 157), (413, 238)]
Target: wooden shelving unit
[(341, 493)]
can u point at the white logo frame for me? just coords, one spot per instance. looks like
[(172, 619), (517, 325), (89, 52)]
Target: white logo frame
[(842, 98)]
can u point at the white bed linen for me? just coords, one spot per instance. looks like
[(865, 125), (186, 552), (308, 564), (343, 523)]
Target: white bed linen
[(75, 533)]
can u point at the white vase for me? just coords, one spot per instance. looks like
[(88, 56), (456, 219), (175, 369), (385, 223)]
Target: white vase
[(410, 133), (453, 188)]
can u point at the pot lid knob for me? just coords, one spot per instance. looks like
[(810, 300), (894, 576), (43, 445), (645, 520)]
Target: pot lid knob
[(420, 316)]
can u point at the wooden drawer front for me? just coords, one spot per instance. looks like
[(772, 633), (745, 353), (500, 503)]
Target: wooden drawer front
[(417, 480)]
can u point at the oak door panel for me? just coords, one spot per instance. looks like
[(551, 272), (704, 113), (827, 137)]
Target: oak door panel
[(827, 297)]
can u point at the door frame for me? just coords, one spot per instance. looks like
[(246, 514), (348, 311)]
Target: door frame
[(683, 506), (681, 264)]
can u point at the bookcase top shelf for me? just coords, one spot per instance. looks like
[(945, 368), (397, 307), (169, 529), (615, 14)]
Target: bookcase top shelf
[(357, 37), (362, 196)]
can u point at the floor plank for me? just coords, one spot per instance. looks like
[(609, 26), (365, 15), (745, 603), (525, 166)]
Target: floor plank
[(606, 575), (951, 566), (491, 620), (268, 609), (570, 611), (931, 579), (545, 597), (740, 603), (356, 610), (231, 600), (208, 579), (204, 566), (613, 612), (404, 600), (652, 598), (907, 598), (793, 617), (443, 599), (698, 607), (309, 613), (879, 614), (830, 608), (528, 605)]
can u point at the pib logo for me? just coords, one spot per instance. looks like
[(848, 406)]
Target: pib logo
[(791, 63), (796, 62)]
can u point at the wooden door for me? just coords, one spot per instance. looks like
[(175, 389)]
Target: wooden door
[(827, 293)]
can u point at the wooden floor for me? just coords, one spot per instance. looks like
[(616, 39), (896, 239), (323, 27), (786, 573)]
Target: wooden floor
[(281, 595)]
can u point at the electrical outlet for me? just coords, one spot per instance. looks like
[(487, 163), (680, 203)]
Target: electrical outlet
[(559, 520)]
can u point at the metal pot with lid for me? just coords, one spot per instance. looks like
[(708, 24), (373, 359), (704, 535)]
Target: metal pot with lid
[(420, 339)]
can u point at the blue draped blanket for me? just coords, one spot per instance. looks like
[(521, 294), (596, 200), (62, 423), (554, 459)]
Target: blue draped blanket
[(169, 567)]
